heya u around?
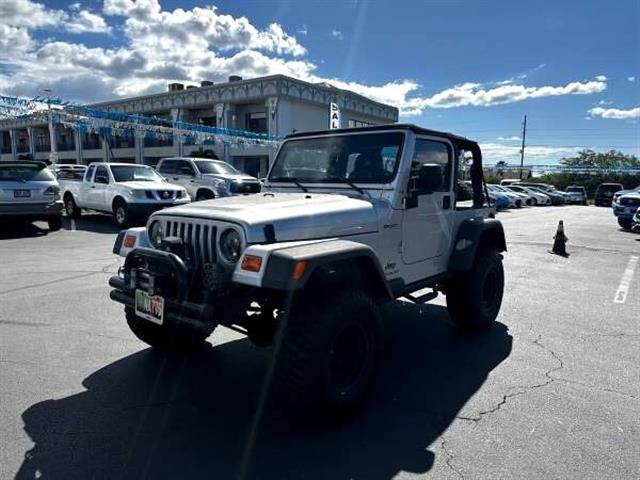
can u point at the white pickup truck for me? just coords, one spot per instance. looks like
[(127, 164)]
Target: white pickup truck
[(127, 191)]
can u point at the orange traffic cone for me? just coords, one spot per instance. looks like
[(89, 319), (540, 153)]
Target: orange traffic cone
[(560, 241)]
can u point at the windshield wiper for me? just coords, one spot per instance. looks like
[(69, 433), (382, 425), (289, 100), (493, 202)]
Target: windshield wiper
[(292, 180), (346, 182)]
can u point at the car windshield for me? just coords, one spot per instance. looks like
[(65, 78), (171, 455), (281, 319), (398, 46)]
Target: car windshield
[(23, 172), (216, 168), (137, 173), (361, 158)]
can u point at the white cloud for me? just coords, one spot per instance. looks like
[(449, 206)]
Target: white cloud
[(303, 30), (337, 34), (494, 152), (616, 113), (601, 78), (190, 45), (84, 22), (25, 13), (631, 79), (510, 139)]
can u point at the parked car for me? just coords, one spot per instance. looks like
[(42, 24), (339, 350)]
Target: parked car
[(515, 199), (547, 189), (128, 191), (556, 197), (577, 195), (533, 197), (605, 192), (509, 181), (635, 226), (205, 178), (622, 192), (625, 208), (29, 190), (69, 170), (500, 200)]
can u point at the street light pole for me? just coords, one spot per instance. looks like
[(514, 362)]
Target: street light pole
[(53, 155)]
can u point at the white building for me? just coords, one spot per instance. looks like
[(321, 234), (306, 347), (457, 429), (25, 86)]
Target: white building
[(277, 105)]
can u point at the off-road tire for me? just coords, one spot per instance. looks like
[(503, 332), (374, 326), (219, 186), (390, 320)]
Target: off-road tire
[(54, 222), (625, 223), (121, 214), (329, 355), (71, 207), (167, 337), (474, 297), (204, 195)]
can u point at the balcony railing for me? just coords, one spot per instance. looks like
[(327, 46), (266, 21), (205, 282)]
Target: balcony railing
[(43, 147), (92, 145), (5, 149)]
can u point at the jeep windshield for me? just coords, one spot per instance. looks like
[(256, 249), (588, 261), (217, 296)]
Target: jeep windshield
[(358, 158)]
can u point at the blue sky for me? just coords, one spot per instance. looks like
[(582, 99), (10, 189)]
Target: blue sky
[(474, 68)]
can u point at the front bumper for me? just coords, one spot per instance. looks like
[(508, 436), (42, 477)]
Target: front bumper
[(143, 210), (623, 212), (32, 210), (166, 274)]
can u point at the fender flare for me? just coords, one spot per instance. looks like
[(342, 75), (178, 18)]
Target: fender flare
[(279, 271), (472, 233)]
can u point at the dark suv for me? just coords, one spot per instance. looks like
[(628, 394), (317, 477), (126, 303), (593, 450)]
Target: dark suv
[(604, 193)]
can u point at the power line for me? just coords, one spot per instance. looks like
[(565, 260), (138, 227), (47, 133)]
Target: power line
[(524, 135)]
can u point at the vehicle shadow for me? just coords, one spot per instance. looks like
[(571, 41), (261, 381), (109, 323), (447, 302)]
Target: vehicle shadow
[(91, 222), (145, 416), (14, 228)]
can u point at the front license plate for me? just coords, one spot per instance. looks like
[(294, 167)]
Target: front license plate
[(21, 193), (150, 307)]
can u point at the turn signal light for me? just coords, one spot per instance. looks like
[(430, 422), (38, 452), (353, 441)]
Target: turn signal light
[(298, 270), (129, 241), (251, 263)]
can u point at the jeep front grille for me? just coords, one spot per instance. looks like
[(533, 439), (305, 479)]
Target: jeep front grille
[(200, 237)]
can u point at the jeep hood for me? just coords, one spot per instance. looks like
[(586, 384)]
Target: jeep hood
[(295, 216)]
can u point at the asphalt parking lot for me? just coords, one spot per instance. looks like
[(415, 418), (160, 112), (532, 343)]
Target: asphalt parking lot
[(552, 391)]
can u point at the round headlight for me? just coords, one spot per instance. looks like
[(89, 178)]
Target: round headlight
[(230, 245), (155, 233)]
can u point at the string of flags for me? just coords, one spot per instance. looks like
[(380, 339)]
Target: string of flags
[(627, 170), (85, 119)]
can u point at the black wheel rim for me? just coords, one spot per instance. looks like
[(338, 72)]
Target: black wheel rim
[(347, 357), (69, 207)]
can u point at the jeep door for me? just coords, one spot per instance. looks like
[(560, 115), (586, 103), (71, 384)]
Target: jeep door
[(427, 224)]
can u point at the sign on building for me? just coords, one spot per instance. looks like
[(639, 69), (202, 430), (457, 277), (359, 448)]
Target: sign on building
[(334, 116)]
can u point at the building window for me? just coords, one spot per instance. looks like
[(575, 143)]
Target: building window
[(358, 123), (256, 122)]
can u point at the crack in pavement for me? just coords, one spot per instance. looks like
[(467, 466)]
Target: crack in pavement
[(523, 388), (450, 457)]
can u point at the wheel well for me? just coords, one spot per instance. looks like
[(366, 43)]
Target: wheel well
[(68, 195), (205, 189), (116, 201), (492, 239), (354, 273)]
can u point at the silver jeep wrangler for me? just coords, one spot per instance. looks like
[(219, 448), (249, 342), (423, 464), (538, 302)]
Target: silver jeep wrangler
[(348, 220)]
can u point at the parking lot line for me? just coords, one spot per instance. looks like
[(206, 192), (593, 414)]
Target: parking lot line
[(625, 281)]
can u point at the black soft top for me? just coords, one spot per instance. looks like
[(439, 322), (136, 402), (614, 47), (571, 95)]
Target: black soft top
[(388, 127)]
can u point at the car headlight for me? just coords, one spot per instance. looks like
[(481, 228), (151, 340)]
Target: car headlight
[(137, 193), (230, 245), (155, 233)]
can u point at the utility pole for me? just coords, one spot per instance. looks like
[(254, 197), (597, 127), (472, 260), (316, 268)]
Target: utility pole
[(524, 134)]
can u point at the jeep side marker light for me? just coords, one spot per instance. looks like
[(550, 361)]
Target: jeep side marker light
[(129, 241), (251, 263), (298, 270)]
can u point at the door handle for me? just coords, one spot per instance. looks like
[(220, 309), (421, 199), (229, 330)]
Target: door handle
[(93, 186)]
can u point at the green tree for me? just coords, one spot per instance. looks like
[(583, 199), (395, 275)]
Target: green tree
[(591, 159)]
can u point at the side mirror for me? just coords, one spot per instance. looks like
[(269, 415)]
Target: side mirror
[(430, 177)]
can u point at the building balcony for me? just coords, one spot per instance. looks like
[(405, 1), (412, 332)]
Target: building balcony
[(158, 142), (65, 147), (5, 149)]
